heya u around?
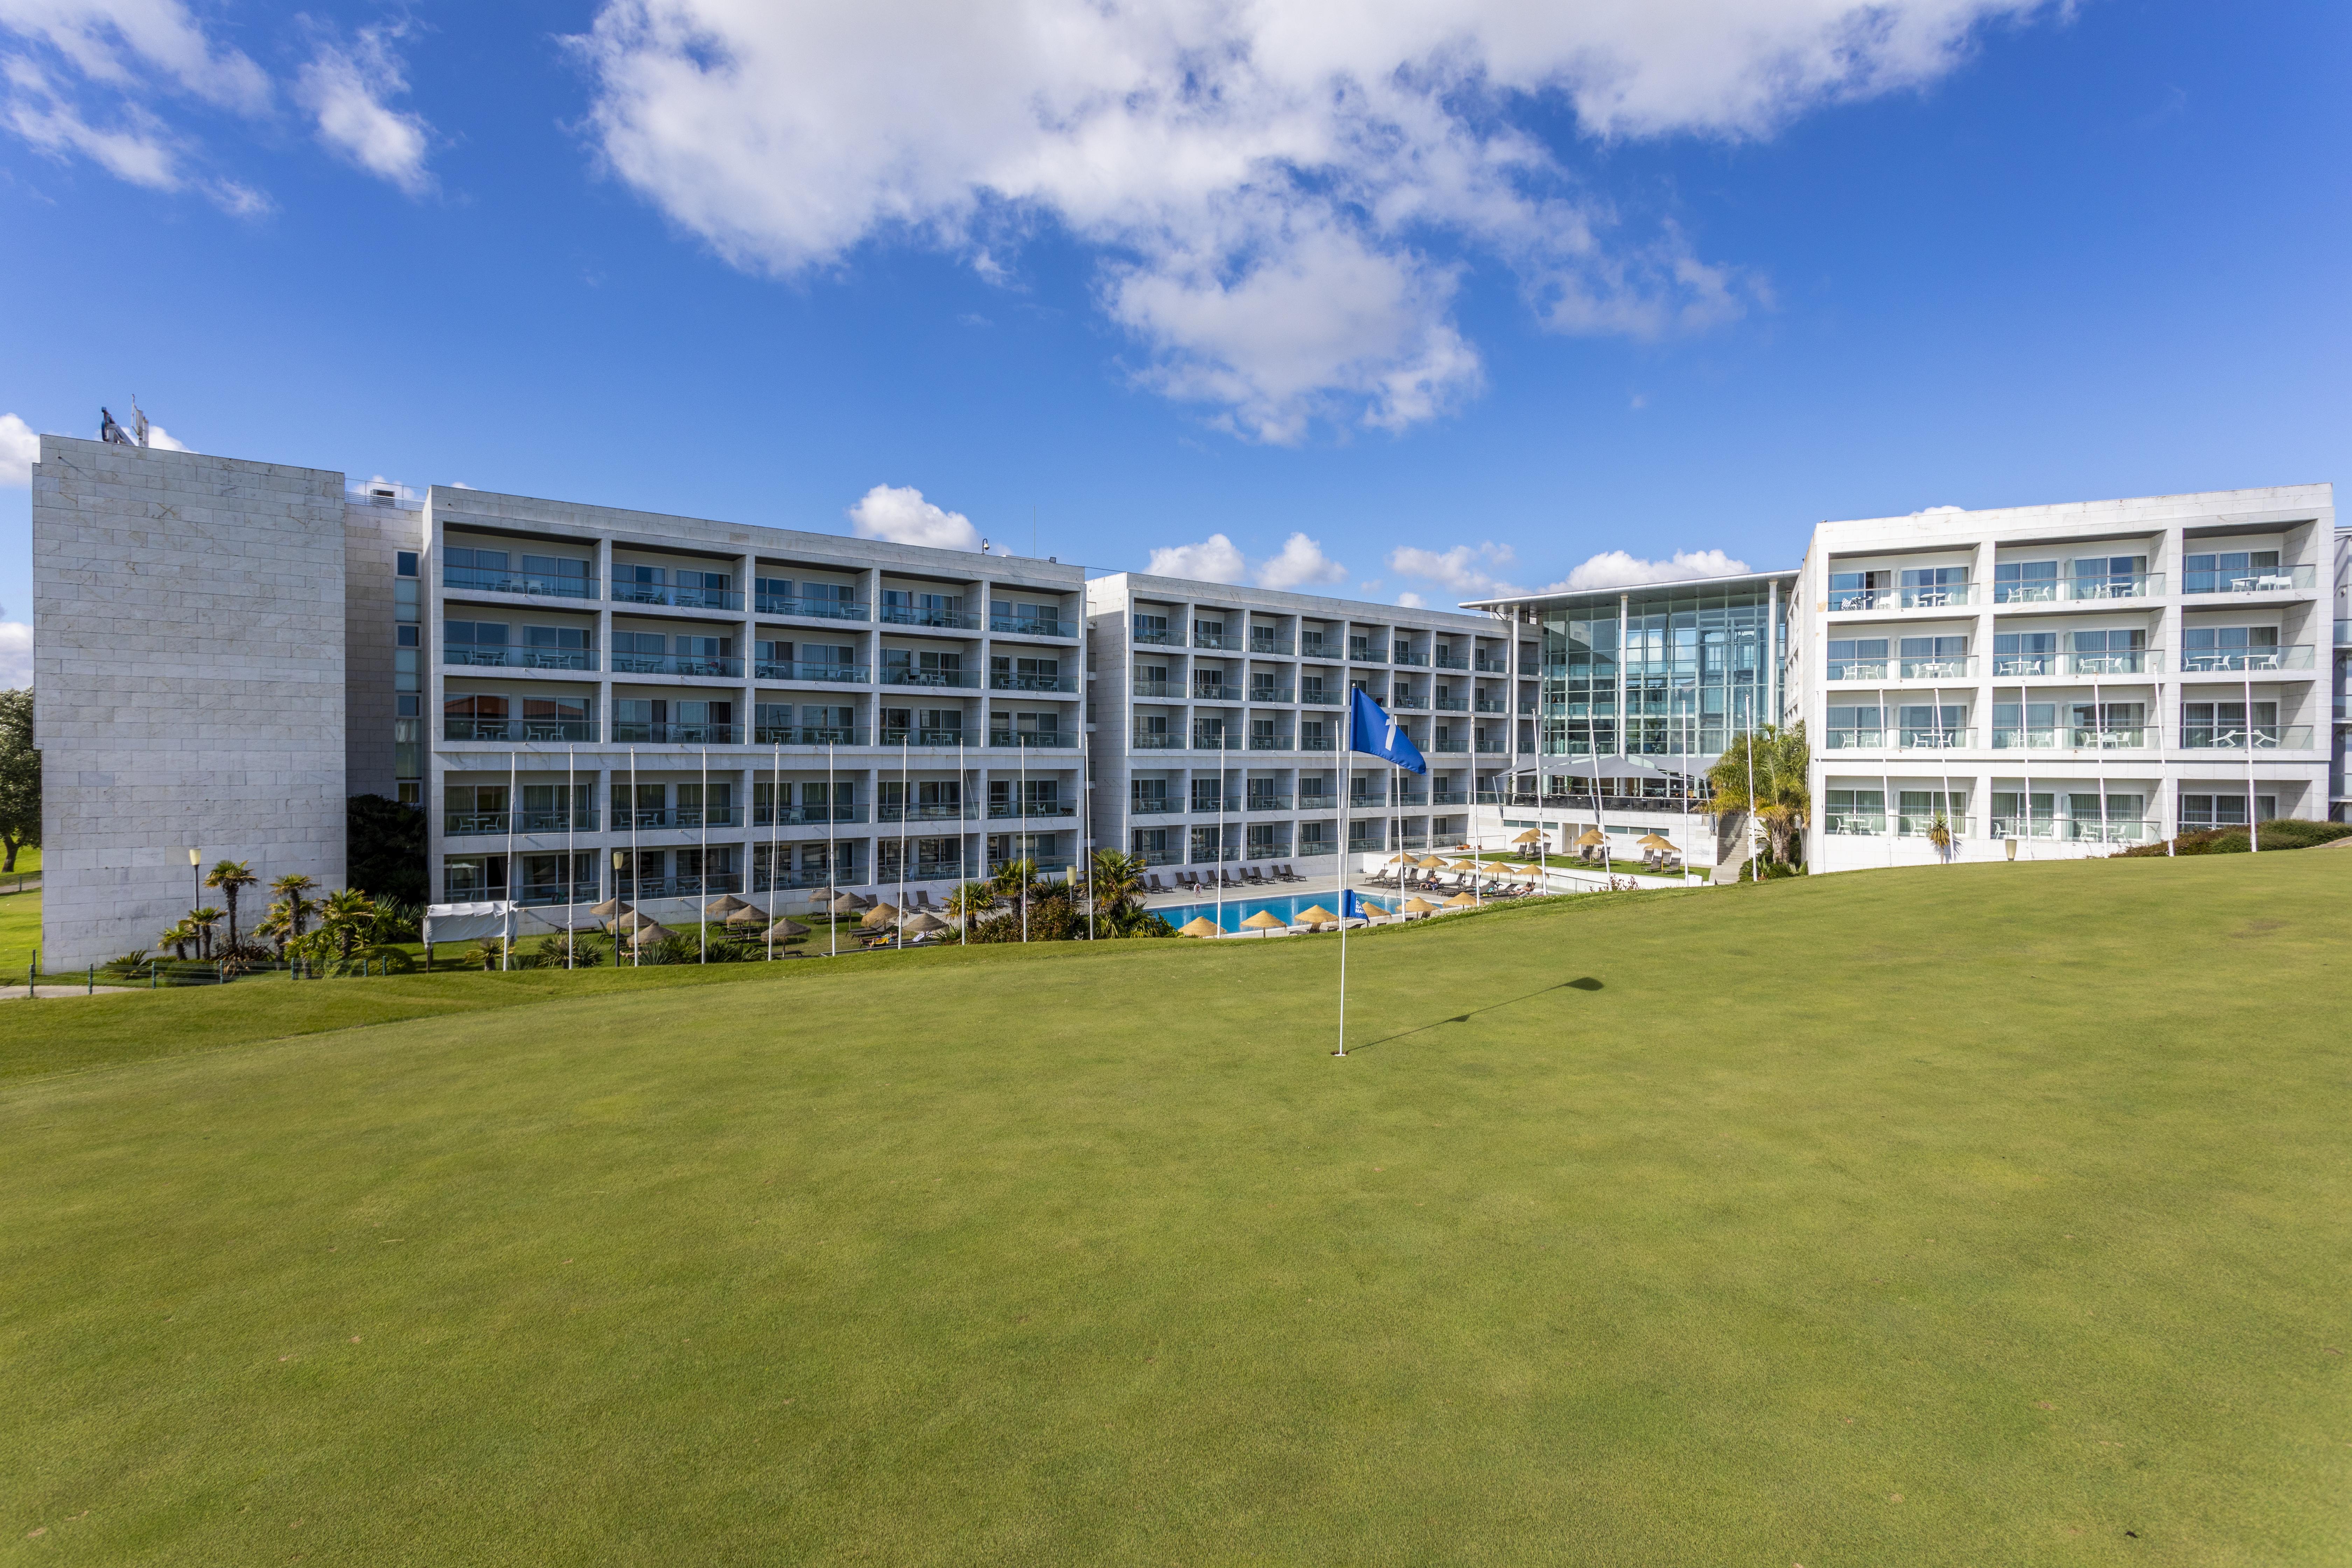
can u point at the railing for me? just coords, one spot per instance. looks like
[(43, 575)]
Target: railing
[(2128, 661), (1053, 738), (2244, 737), (1268, 644), (1033, 626), (1408, 700), (1455, 705), (1269, 694), (820, 609), (680, 816), (1444, 660), (1316, 850), (891, 811), (1160, 639), (1159, 856), (626, 731), (804, 816), (1942, 597), (1315, 647), (528, 583), (1210, 740), (1934, 739), (1368, 653), (1155, 805), (1269, 803), (1406, 656), (1449, 797), (1486, 665), (1270, 743), (1216, 640), (1015, 680), (2208, 660), (2079, 590), (462, 824), (1853, 740), (1489, 748), (1045, 868), (1316, 697), (519, 657), (1316, 743), (1936, 668), (1450, 747), (918, 615), (2074, 737), (677, 664), (2343, 633), (1160, 741), (896, 735), (2263, 580), (1159, 689), (1856, 669), (635, 888), (676, 597), (816, 876), (781, 669), (809, 735), (1856, 824), (922, 870), (519, 730), (942, 679), (540, 894), (1215, 693), (1032, 808)]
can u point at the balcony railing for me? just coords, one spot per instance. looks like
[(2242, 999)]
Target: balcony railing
[(2212, 660), (1155, 805), (539, 895), (1269, 694), (528, 583), (1444, 660), (1368, 653), (1314, 850), (1945, 596), (1316, 743), (1408, 700), (1316, 697), (1033, 626), (1492, 748), (519, 657), (1061, 739), (1449, 797), (1856, 823), (677, 664), (526, 731), (1936, 668), (1268, 644), (2127, 661), (1159, 638), (2243, 737), (1000, 810), (919, 615), (2343, 633), (1016, 680), (1211, 740), (1407, 655), (809, 735), (1455, 705), (1203, 693), (676, 597), (2262, 580), (891, 811), (1449, 747), (1486, 664), (1216, 640), (787, 669), (808, 877), (463, 824), (1157, 741), (635, 888), (2079, 590), (943, 679), (1268, 802), (629, 732), (1934, 739), (2074, 737), (1270, 743), (689, 817), (1317, 647), (1493, 705), (805, 815), (820, 609), (907, 735)]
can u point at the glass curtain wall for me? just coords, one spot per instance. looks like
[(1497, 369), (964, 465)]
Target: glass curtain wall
[(1694, 667)]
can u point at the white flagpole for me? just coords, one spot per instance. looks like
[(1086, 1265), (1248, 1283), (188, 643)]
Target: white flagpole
[(1755, 872), (832, 856), (702, 869), (514, 886), (963, 926), (636, 866), (1085, 822), (1347, 778), (2253, 822), (899, 935), (1220, 854), (775, 822), (570, 878), (1022, 841)]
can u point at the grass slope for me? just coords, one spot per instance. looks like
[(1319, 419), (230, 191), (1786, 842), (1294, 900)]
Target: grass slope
[(1961, 1215)]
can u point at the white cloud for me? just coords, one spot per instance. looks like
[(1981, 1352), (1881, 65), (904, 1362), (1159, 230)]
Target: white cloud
[(1279, 196), (16, 656), (345, 89), (1617, 569), (1463, 570), (901, 515), (1412, 601), (19, 448), (1300, 564), (163, 439), (1215, 559)]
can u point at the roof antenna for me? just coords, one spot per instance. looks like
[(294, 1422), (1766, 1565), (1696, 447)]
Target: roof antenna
[(111, 433), (138, 420)]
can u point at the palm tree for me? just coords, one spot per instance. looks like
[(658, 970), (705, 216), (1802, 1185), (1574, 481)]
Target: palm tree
[(1014, 877), (292, 892), (177, 937), (972, 900), (232, 878), (275, 928), (1781, 798), (351, 915), (1118, 886), (203, 919)]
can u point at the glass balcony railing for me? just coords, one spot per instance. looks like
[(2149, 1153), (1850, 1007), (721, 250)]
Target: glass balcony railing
[(1491, 664), (1157, 741), (1162, 639), (819, 609), (1317, 647), (1212, 740), (1023, 810), (927, 615), (1314, 850), (1451, 748), (1155, 805), (809, 877), (943, 679), (901, 735), (689, 817), (1208, 693), (1494, 705), (1856, 669), (1033, 626), (1022, 680), (1368, 653), (1269, 694), (519, 657), (1943, 596), (1316, 697), (1452, 704), (2258, 580), (1491, 748), (1446, 661), (1936, 670), (922, 811), (677, 664), (531, 584), (2343, 633), (809, 735), (1449, 797), (2079, 590), (1216, 640), (2215, 660), (805, 815), (1270, 743), (1268, 802), (636, 732), (2245, 738), (635, 889), (1268, 644), (539, 895), (462, 824), (1051, 740), (1856, 823), (1412, 700), (1935, 739), (790, 669), (526, 731), (676, 597), (1853, 740), (1315, 743), (1407, 655)]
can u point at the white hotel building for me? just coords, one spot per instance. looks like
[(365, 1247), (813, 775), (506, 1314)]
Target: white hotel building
[(586, 700)]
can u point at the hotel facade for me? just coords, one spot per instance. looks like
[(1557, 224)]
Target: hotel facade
[(586, 702)]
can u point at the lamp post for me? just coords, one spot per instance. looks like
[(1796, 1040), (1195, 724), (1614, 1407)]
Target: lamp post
[(197, 876)]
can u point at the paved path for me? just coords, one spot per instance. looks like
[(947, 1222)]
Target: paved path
[(47, 993)]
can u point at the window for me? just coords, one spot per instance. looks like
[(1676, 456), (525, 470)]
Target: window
[(1148, 794), (1151, 628), (1929, 724), (473, 879), (2014, 815), (1207, 794), (2230, 648), (2025, 653), (2025, 724), (1854, 726), (403, 563), (2199, 812), (1857, 658), (2228, 724), (1853, 590), (405, 637), (1850, 811), (1917, 809), (2229, 571), (2024, 582)]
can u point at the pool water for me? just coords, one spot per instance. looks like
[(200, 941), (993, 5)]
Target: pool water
[(1237, 908)]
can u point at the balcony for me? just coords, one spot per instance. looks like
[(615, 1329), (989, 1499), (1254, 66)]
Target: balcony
[(1314, 850), (689, 818), (927, 615), (1859, 601), (1158, 857), (1934, 739), (1413, 700), (809, 735), (1368, 653), (2245, 738), (2128, 661), (898, 735), (1444, 660), (629, 732), (1269, 694), (638, 889), (1451, 748), (783, 669), (805, 815), (1859, 740), (1202, 692), (1487, 664), (677, 664), (524, 731), (465, 824), (2220, 660), (676, 597), (1316, 697), (1211, 740), (810, 877), (2259, 580), (2079, 590), (1494, 705), (1270, 743), (891, 811), (1449, 797), (1023, 810), (2073, 737), (1154, 805), (1155, 740), (1316, 647), (1052, 740), (1407, 655), (1268, 644), (531, 584), (1216, 640), (1455, 705), (940, 680), (1269, 803), (818, 609), (539, 895), (1489, 748), (2090, 830), (1316, 743), (2343, 633), (519, 657), (1856, 824), (1162, 638), (1017, 680), (1032, 626)]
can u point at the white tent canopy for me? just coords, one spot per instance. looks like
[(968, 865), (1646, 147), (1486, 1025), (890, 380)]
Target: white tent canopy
[(471, 922)]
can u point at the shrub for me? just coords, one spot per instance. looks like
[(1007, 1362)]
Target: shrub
[(2285, 833)]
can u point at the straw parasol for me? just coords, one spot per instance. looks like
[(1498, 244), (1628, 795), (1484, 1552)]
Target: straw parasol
[(649, 931), (722, 906), (922, 920), (1465, 866), (1462, 900), (1265, 920), (847, 904), (785, 929), (1590, 838), (610, 908), (1532, 835), (1314, 915), (1652, 841), (1201, 926), (1431, 863), (880, 915), (747, 915), (1419, 906), (633, 920)]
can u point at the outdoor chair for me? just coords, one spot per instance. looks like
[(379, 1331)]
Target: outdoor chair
[(1151, 883)]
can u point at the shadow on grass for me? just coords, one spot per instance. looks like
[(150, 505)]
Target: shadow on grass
[(1582, 983)]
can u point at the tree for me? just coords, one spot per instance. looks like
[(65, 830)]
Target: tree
[(177, 938), (1781, 799), (203, 919), (972, 900), (293, 897), (384, 848), (20, 776), (232, 878), (350, 920), (1118, 888)]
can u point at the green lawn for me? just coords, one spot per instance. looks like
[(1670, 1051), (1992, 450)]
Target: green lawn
[(1985, 1215)]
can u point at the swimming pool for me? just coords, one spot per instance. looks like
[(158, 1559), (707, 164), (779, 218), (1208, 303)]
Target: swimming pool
[(1237, 908)]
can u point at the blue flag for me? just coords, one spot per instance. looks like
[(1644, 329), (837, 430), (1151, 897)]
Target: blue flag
[(1370, 729), (1356, 908)]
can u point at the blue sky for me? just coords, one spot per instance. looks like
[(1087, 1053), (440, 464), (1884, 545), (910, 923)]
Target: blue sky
[(1500, 301)]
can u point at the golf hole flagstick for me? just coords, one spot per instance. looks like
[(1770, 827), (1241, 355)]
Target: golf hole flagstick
[(1375, 732)]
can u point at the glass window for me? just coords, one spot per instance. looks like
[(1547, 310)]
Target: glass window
[(405, 563)]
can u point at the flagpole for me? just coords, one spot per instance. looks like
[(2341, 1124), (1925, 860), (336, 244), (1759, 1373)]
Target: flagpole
[(571, 834), (963, 850), (1221, 828), (636, 866), (905, 805), (832, 854), (1346, 771), (775, 823), (702, 867)]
